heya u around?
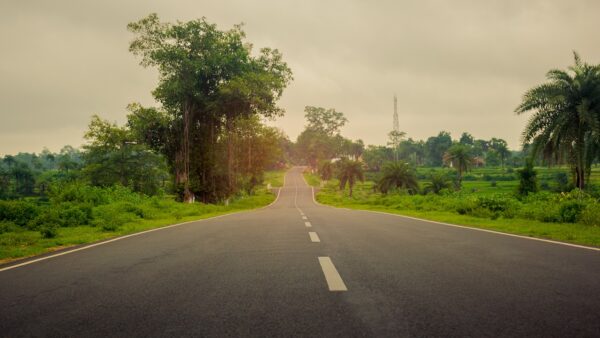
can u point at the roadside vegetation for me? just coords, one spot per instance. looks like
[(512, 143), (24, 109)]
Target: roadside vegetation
[(76, 213), (569, 216), (205, 150), (550, 188)]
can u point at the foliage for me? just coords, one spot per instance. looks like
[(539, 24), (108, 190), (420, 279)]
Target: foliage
[(209, 81), (320, 140), (328, 121), (113, 157), (436, 147), (348, 173), (565, 125), (570, 211), (375, 156), (460, 157), (18, 212), (326, 170), (116, 208), (438, 182), (527, 179), (590, 215), (395, 137), (397, 175)]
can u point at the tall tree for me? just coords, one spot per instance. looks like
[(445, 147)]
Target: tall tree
[(500, 147), (208, 79), (565, 125), (466, 139), (328, 121), (113, 157), (435, 147)]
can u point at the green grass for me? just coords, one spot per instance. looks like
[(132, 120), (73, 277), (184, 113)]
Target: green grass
[(25, 243), (442, 209), (275, 178), (312, 179)]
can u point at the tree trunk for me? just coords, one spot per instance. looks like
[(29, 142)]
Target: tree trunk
[(183, 175), (230, 173), (580, 167)]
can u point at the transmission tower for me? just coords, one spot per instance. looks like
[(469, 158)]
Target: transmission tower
[(396, 123)]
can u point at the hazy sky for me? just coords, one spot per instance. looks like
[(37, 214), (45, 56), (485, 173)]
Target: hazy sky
[(455, 65)]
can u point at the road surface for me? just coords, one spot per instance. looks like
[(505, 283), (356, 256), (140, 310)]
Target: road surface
[(297, 268)]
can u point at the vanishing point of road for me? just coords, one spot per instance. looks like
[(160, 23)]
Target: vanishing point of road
[(297, 268)]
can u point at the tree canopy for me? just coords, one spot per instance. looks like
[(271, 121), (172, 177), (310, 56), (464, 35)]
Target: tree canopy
[(209, 81), (565, 125)]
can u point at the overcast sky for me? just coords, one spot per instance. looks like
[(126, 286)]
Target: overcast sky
[(454, 65)]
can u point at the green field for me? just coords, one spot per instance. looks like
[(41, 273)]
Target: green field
[(569, 217), (149, 213)]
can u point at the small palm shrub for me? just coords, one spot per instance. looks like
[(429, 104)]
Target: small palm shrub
[(398, 175)]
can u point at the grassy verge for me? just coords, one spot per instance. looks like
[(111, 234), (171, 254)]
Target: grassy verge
[(275, 178), (312, 179), (157, 212), (365, 199)]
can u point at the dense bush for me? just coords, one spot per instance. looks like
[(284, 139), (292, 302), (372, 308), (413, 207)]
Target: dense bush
[(590, 215), (8, 226), (570, 211), (527, 179), (544, 206), (18, 212)]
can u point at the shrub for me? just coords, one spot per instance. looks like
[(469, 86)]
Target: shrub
[(111, 216), (562, 181), (74, 215), (493, 184), (527, 179), (49, 230), (483, 213), (590, 215), (570, 211), (78, 193), (18, 212), (496, 203), (48, 217), (8, 226), (464, 206)]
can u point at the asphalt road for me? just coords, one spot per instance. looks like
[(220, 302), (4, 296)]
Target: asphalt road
[(261, 273)]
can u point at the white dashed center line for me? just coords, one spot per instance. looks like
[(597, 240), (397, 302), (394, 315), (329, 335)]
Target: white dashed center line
[(304, 217), (308, 225), (333, 278), (314, 237)]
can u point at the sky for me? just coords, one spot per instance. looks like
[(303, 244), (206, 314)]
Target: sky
[(454, 65)]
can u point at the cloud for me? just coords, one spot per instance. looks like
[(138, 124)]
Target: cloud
[(455, 66)]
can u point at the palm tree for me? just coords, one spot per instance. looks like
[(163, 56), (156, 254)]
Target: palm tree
[(459, 156), (326, 170), (398, 175), (348, 172), (438, 182), (565, 125)]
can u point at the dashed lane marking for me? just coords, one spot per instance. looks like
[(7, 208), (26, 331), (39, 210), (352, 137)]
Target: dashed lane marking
[(333, 278), (314, 237)]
